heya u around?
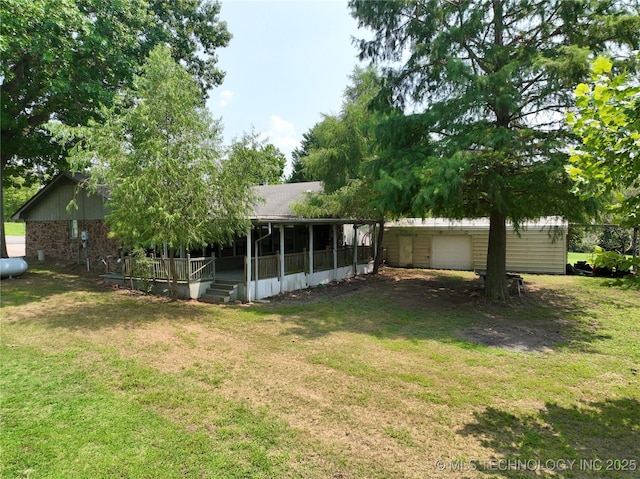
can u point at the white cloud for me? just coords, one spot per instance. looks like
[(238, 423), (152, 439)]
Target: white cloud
[(225, 98), (282, 134)]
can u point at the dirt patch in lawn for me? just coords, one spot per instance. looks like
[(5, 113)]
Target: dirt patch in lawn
[(496, 325)]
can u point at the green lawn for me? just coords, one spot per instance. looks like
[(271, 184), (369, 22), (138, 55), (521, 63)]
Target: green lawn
[(407, 375), (573, 258), (14, 229)]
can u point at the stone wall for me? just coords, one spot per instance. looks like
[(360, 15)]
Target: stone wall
[(53, 238)]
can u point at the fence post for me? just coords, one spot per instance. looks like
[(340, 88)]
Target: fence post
[(188, 272), (213, 266)]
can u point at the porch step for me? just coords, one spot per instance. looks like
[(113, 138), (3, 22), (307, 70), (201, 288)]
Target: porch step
[(221, 291)]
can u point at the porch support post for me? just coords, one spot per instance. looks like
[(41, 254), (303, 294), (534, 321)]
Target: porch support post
[(282, 258), (248, 268), (355, 250), (256, 254), (335, 251), (310, 253)]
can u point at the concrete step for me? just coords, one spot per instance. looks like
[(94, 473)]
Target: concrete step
[(220, 292), (214, 299), (224, 287)]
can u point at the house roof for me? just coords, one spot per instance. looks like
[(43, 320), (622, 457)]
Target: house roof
[(60, 178), (275, 203), (278, 200), (470, 223)]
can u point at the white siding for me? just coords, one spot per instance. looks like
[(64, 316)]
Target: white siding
[(421, 246), (540, 248)]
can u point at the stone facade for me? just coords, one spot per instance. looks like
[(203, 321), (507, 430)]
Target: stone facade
[(54, 238)]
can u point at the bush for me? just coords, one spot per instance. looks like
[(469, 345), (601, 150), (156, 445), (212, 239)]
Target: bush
[(619, 266)]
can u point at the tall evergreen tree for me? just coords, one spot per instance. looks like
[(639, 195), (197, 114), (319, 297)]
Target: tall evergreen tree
[(298, 172), (488, 81), (159, 153), (340, 155)]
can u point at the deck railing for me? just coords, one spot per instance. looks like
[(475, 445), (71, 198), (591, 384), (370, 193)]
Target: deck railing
[(345, 256), (268, 267), (296, 262), (323, 260), (188, 269)]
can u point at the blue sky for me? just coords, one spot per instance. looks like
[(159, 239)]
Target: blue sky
[(288, 63)]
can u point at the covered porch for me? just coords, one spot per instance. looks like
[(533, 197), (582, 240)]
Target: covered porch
[(281, 252), (272, 258), (284, 257)]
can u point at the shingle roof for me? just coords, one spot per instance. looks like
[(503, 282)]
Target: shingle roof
[(275, 204), (278, 199)]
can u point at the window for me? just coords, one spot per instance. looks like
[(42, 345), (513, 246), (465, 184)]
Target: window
[(73, 229)]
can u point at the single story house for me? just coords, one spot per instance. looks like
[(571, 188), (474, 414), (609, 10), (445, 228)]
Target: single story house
[(538, 247), (281, 252), (54, 228)]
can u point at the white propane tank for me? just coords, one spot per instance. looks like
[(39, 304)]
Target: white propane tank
[(11, 267)]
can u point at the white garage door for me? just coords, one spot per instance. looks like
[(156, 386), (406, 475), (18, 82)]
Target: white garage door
[(451, 252)]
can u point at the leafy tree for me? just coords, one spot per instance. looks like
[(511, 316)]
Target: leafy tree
[(158, 151), (16, 195), (334, 149), (62, 59), (343, 142), (608, 122), (298, 173), (343, 145), (616, 238), (487, 80), (258, 161)]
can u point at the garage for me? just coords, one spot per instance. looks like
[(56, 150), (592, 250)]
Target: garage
[(538, 246), (452, 252)]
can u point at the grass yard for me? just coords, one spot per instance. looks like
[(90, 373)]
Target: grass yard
[(14, 229), (409, 374), (573, 258)]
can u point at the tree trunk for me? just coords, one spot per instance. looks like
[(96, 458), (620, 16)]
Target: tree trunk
[(3, 238), (173, 275), (378, 256), (495, 286)]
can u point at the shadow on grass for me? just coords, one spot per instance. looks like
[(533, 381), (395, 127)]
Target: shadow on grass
[(78, 302), (419, 305), (443, 307), (39, 284), (603, 438)]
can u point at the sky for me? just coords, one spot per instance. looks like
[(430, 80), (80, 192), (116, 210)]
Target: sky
[(288, 62)]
